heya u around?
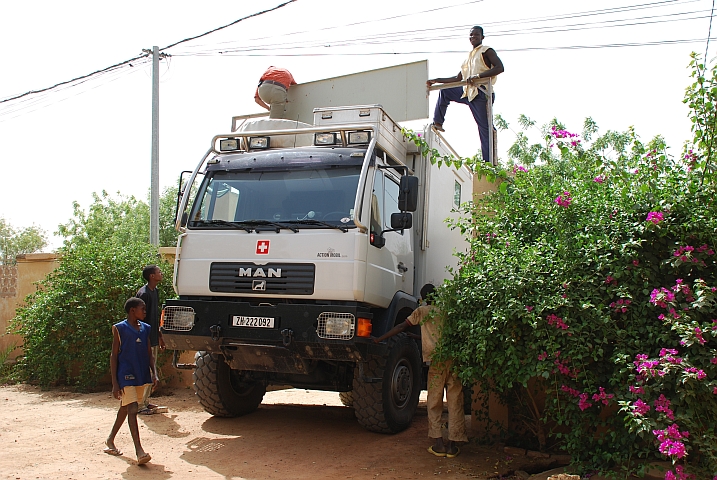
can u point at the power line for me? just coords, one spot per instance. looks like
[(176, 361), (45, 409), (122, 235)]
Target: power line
[(709, 32), (144, 55), (462, 52), (415, 36), (228, 25)]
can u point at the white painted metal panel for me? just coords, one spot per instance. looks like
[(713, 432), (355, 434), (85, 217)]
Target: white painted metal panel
[(400, 89)]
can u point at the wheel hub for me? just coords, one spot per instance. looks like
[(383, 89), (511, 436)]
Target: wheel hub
[(401, 384)]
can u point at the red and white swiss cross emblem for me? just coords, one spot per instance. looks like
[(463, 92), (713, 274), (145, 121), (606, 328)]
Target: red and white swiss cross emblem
[(262, 247)]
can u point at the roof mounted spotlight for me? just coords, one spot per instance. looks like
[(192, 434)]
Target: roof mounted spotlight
[(228, 145), (359, 138), (258, 143), (326, 139)]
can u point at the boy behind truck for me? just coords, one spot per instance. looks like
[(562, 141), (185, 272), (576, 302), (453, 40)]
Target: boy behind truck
[(440, 376)]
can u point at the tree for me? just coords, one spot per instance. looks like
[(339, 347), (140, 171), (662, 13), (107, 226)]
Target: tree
[(14, 242)]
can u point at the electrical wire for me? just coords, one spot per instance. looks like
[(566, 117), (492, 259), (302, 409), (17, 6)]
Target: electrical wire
[(709, 31), (463, 52), (127, 62), (414, 36)]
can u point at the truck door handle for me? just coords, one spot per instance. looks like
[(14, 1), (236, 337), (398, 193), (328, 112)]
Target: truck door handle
[(401, 267)]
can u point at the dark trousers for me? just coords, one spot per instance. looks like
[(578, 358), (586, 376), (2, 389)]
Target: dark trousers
[(478, 109)]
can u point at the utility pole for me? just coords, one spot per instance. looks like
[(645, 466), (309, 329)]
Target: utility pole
[(154, 184), (154, 175)]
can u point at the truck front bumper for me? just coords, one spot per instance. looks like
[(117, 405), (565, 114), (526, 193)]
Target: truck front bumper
[(288, 346)]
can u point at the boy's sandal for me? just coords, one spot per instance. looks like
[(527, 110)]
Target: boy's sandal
[(112, 451), (438, 454), (144, 459), (146, 411), (438, 127)]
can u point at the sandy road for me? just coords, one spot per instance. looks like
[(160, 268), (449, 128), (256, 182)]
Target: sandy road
[(295, 434)]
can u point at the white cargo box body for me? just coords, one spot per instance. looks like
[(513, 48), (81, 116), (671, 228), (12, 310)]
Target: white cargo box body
[(445, 188)]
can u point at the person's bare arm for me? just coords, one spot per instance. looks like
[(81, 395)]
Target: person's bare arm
[(457, 78), (394, 331), (113, 362), (496, 65)]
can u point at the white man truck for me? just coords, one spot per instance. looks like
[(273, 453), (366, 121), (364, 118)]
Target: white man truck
[(299, 243)]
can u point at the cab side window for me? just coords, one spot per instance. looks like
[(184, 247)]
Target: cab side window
[(391, 190), (377, 203)]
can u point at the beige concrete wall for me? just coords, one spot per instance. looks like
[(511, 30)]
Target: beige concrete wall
[(30, 269)]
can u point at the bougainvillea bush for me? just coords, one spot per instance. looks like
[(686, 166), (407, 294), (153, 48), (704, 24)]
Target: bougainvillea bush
[(592, 271)]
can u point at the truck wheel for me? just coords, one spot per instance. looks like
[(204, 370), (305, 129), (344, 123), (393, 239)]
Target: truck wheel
[(388, 405), (221, 390), (347, 398)]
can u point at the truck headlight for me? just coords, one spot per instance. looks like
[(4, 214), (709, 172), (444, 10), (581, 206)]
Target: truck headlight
[(177, 318), (332, 325)]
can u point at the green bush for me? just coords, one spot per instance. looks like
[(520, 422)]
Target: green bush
[(66, 324), (591, 275)]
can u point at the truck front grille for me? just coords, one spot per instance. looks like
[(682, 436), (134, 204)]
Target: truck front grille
[(271, 278)]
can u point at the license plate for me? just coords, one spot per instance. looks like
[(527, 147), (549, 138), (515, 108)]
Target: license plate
[(260, 322)]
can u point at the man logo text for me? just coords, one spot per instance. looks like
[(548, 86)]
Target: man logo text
[(259, 272)]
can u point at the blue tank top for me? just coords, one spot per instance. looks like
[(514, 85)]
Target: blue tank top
[(133, 359)]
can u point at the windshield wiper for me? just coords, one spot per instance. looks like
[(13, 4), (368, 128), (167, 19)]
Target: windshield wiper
[(238, 225), (309, 221), (257, 223)]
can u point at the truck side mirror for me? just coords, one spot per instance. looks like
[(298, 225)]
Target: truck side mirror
[(400, 221), (408, 194)]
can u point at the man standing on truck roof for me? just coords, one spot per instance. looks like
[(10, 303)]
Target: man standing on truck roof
[(482, 62), (272, 90)]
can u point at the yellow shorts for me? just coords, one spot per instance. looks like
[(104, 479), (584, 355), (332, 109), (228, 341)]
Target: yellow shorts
[(132, 394)]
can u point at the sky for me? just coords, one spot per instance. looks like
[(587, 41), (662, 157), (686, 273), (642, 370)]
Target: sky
[(621, 62)]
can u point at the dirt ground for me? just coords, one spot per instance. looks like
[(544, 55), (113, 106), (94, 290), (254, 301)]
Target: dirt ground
[(295, 434)]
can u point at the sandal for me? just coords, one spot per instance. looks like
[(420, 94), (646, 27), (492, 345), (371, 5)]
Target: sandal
[(112, 451), (455, 454), (438, 127), (438, 454), (144, 459)]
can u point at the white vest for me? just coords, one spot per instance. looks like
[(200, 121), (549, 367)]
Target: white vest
[(474, 65)]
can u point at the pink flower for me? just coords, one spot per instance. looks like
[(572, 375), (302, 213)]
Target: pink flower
[(564, 199), (570, 391), (598, 179), (698, 336), (662, 404), (529, 308), (543, 356), (519, 168), (641, 408), (602, 396), (713, 361), (584, 404), (636, 262), (636, 390), (655, 217), (557, 321)]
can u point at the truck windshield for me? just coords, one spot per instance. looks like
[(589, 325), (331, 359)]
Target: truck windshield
[(309, 198)]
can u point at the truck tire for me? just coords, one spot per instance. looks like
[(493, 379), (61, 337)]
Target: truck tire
[(347, 398), (388, 405), (220, 390)]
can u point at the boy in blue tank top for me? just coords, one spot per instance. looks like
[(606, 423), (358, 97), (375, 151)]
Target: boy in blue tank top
[(132, 367)]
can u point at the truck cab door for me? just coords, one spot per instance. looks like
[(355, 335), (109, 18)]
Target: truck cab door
[(389, 269)]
